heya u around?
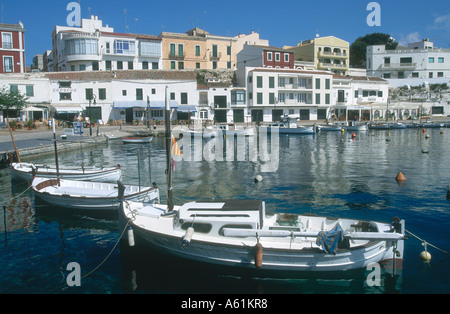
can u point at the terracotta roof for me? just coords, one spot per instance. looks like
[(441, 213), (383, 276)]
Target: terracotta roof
[(123, 75)]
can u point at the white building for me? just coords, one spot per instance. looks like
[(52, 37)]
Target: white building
[(94, 47), (418, 63), (273, 93), (124, 96), (359, 98)]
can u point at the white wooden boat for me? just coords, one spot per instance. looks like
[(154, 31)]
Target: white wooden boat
[(217, 130), (240, 235), (25, 172), (379, 126), (137, 139), (283, 129), (353, 128), (88, 195), (331, 127), (233, 233), (397, 126)]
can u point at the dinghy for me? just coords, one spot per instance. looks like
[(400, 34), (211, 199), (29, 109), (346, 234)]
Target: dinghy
[(137, 140), (25, 172), (239, 235), (88, 195)]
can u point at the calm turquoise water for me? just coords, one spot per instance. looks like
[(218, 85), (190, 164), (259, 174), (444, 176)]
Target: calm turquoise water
[(326, 174)]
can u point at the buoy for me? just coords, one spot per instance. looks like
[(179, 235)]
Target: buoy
[(427, 136), (424, 131), (258, 178), (389, 134), (400, 177), (353, 135), (343, 130), (442, 132), (424, 151), (258, 255), (130, 234), (425, 256), (188, 236)]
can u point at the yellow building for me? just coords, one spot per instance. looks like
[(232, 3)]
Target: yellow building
[(327, 53), (197, 49)]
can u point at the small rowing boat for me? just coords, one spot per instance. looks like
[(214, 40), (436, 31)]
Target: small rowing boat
[(137, 139)]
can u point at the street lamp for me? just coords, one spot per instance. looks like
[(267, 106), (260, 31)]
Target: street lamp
[(90, 120)]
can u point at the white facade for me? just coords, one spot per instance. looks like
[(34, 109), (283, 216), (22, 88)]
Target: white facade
[(273, 93), (417, 64), (117, 95), (94, 47)]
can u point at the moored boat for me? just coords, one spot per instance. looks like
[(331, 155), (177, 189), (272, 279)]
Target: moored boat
[(89, 195), (379, 126), (137, 139), (26, 171)]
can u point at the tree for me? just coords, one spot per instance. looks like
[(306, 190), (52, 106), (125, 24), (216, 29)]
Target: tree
[(358, 48), (11, 99)]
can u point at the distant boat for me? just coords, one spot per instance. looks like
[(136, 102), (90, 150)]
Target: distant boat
[(360, 127), (431, 125), (331, 127), (396, 126), (25, 172), (137, 139), (88, 195), (283, 129), (379, 126)]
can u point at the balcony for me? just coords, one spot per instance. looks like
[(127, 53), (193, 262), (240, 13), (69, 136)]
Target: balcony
[(215, 56), (177, 55), (332, 66), (398, 66), (328, 54)]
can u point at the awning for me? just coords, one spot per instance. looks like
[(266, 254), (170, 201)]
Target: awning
[(33, 109), (161, 104), (186, 108), (67, 108), (130, 104)]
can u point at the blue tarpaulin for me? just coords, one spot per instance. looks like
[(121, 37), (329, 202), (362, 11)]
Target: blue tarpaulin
[(329, 240)]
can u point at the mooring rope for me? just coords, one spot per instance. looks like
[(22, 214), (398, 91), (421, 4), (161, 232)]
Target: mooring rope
[(426, 243)]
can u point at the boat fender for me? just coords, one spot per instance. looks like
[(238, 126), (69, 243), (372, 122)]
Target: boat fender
[(258, 255), (425, 256), (130, 237), (188, 236)]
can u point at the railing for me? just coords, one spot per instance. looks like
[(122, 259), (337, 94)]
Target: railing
[(177, 55), (215, 56), (398, 65)]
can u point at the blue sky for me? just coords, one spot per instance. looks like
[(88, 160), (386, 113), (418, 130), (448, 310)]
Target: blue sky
[(281, 22)]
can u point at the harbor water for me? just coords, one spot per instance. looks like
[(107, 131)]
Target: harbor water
[(329, 173)]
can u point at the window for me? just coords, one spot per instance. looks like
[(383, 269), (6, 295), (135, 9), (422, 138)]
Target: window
[(172, 96), (89, 93), (155, 65), (148, 48), (214, 51), (281, 97), (317, 99), (327, 83), (119, 65), (277, 56), (153, 91), (144, 65), (14, 88), (214, 65), (172, 50), (130, 65), (406, 60), (180, 50), (327, 99), (317, 83), (139, 94), (7, 41), (259, 98), (431, 60), (124, 92), (440, 74), (81, 46), (65, 84), (82, 67), (238, 97), (197, 50), (126, 47), (197, 65), (286, 57), (380, 93), (184, 98), (387, 75), (29, 90), (341, 96), (271, 98), (102, 93), (259, 82), (269, 56), (108, 47), (180, 65), (108, 65), (8, 64), (387, 60), (228, 50), (271, 82), (415, 74), (95, 66), (430, 75), (441, 60), (173, 65)]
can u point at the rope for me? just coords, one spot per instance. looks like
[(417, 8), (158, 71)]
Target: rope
[(109, 254), (425, 243), (18, 195)]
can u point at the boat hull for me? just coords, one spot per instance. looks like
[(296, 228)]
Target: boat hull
[(24, 172), (89, 196), (280, 254), (137, 140)]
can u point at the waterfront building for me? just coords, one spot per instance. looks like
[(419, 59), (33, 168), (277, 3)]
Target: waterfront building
[(265, 56), (108, 96), (94, 47), (272, 93), (359, 98), (417, 64), (12, 48), (327, 53)]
